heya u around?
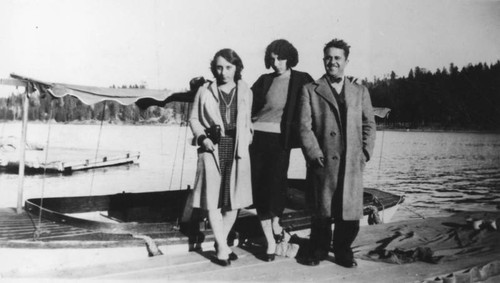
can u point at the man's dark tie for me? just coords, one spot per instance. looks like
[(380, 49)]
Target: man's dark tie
[(336, 80)]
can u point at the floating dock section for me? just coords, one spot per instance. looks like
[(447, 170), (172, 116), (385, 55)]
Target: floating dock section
[(65, 160)]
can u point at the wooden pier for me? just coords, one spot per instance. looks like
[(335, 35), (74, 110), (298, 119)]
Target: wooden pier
[(65, 160), (26, 231), (66, 252), (197, 267)]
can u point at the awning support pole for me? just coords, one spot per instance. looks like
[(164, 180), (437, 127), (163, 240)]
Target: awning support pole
[(22, 150)]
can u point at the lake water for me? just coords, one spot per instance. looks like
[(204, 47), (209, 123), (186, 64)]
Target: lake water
[(438, 172)]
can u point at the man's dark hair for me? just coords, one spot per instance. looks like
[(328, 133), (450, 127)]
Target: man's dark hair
[(232, 57), (285, 51), (340, 44)]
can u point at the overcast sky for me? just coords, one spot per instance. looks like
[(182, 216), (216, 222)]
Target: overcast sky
[(166, 43)]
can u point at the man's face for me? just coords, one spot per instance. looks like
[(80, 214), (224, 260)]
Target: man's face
[(335, 62)]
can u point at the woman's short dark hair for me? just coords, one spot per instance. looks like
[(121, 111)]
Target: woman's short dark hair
[(232, 57), (285, 51), (340, 44)]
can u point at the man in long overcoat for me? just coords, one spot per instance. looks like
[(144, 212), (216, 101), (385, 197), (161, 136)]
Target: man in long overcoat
[(337, 133)]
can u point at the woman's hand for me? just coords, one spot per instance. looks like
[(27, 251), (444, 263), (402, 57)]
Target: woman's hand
[(208, 145), (317, 162), (320, 161)]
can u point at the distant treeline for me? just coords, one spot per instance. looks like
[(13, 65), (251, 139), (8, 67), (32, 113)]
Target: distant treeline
[(449, 98), (446, 99)]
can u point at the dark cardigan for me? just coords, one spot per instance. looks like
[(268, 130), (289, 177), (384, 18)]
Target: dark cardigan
[(290, 119)]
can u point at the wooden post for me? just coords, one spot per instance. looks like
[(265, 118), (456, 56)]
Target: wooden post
[(22, 150), (16, 83)]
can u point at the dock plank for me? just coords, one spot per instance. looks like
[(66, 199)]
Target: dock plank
[(197, 267)]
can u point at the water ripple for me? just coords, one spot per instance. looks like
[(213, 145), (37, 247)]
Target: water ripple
[(438, 173)]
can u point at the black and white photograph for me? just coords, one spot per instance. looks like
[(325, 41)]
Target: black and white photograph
[(250, 140)]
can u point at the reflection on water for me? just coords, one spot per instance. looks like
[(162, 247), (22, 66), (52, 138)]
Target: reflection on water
[(437, 172)]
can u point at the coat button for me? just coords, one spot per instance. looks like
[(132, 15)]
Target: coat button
[(332, 134)]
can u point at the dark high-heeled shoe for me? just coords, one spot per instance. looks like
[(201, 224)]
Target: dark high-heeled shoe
[(221, 262), (280, 237), (349, 263), (269, 257), (233, 256)]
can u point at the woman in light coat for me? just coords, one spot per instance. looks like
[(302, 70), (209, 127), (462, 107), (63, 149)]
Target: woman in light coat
[(223, 180)]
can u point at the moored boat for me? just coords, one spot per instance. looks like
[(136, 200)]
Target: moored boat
[(163, 214)]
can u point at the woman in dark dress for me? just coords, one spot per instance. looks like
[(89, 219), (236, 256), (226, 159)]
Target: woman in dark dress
[(220, 121), (275, 122)]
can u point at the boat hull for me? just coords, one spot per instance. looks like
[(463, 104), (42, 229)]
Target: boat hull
[(157, 213)]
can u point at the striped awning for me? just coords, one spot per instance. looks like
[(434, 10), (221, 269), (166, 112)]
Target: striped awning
[(91, 95)]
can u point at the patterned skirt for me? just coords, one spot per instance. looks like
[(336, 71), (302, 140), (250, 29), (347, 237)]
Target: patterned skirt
[(226, 158)]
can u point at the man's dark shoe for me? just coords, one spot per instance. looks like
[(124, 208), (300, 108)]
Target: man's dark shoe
[(349, 263), (221, 262), (322, 256), (310, 261)]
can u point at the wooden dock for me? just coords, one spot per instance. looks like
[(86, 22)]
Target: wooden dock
[(197, 267), (65, 160), (75, 253), (26, 231)]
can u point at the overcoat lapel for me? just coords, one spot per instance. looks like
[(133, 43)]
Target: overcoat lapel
[(324, 90), (214, 91), (213, 105)]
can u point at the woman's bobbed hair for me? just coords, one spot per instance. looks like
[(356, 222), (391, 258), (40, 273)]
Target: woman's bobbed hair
[(284, 50)]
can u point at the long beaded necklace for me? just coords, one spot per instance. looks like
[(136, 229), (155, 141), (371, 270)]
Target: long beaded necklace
[(228, 104)]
